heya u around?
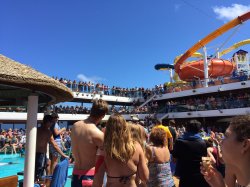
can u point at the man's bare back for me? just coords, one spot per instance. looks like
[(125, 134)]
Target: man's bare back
[(86, 138), (43, 137)]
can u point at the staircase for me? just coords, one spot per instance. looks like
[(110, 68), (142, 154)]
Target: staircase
[(147, 101)]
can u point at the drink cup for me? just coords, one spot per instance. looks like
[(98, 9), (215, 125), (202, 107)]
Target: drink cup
[(206, 162)]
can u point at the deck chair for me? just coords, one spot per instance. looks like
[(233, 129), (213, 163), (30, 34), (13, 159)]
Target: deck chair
[(10, 181), (60, 174)]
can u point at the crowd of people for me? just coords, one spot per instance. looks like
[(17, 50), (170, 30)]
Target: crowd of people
[(133, 159), (218, 102), (135, 108), (60, 109), (141, 153), (12, 141), (149, 153), (199, 103), (100, 88)]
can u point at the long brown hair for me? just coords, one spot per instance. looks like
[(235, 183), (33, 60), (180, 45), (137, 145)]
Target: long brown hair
[(118, 143)]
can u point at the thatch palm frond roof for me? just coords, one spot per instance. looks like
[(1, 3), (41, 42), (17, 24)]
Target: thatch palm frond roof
[(17, 81)]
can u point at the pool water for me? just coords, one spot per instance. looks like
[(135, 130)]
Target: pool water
[(12, 164)]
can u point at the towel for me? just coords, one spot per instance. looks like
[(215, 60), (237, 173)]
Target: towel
[(60, 174)]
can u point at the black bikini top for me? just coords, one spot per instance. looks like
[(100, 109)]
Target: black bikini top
[(123, 179)]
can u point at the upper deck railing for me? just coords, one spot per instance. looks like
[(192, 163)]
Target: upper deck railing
[(137, 92)]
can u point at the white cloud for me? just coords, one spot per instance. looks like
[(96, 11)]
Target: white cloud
[(94, 79), (231, 12)]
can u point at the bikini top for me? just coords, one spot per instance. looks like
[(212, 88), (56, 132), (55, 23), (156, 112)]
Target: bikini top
[(123, 179)]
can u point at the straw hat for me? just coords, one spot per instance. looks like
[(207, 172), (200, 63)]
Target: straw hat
[(18, 81)]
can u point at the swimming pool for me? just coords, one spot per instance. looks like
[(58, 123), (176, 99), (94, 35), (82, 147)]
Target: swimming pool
[(11, 164)]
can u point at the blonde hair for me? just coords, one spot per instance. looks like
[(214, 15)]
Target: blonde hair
[(136, 133), (118, 143)]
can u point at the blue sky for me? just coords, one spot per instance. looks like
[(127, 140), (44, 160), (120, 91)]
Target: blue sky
[(116, 42)]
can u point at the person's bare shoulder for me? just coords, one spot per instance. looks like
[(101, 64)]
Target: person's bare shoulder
[(138, 147), (97, 136), (78, 123), (136, 144)]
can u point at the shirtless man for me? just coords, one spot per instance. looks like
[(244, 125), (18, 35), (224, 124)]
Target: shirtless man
[(86, 138), (44, 136)]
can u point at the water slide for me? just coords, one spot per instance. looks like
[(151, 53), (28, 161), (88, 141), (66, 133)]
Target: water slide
[(217, 67), (181, 67), (225, 51), (234, 46), (194, 55)]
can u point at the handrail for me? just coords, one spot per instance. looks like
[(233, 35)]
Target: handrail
[(164, 116), (146, 102)]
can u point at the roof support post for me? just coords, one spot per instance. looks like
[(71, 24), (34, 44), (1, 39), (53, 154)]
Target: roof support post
[(31, 131)]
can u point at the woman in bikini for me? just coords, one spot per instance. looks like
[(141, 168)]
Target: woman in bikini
[(138, 134), (124, 158)]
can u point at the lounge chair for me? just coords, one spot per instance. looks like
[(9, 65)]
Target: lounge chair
[(10, 181)]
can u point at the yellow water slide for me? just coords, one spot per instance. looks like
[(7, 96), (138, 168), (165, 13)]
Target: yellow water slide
[(234, 46), (194, 55)]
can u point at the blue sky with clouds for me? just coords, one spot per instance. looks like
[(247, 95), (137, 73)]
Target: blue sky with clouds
[(115, 42)]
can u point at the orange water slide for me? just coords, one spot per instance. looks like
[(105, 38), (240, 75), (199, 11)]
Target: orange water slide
[(216, 68), (194, 55), (178, 65)]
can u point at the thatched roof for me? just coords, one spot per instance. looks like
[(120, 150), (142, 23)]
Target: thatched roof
[(17, 81)]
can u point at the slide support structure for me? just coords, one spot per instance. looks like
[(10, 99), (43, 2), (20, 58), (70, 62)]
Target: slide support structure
[(206, 79)]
